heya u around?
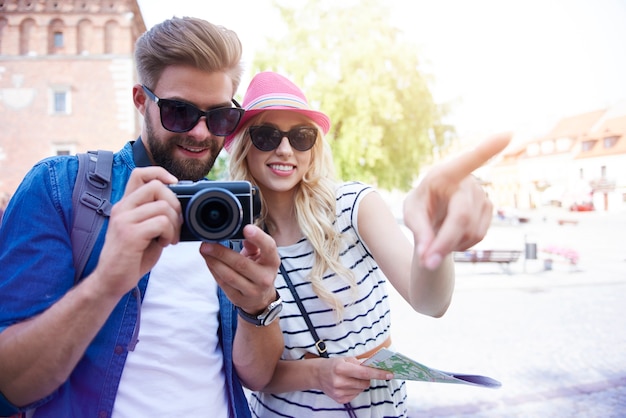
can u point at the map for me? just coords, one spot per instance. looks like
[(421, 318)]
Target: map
[(407, 369)]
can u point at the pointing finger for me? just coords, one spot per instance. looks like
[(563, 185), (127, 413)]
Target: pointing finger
[(460, 167)]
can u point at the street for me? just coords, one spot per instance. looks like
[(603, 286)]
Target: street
[(556, 339)]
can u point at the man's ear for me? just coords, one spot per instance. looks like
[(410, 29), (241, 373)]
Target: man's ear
[(139, 98)]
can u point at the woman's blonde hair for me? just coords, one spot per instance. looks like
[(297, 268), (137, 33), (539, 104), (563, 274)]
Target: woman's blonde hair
[(315, 208)]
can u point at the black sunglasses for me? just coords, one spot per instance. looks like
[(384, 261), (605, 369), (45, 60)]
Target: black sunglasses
[(178, 116), (268, 138)]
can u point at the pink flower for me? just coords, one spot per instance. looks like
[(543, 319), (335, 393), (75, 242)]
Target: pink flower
[(568, 253)]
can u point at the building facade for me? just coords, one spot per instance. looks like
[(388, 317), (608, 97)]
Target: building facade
[(580, 162), (66, 77)]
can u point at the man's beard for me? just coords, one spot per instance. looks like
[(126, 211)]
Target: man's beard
[(163, 155)]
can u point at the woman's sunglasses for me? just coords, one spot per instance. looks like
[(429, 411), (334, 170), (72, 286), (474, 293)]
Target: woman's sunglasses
[(177, 116), (268, 138)]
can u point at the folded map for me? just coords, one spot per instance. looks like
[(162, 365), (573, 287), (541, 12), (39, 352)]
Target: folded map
[(405, 368)]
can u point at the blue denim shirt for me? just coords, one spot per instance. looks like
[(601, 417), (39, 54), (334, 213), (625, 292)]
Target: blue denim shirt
[(37, 270)]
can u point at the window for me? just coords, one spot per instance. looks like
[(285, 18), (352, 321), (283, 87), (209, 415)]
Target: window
[(27, 38), (60, 101), (110, 29), (532, 150), (4, 27), (588, 145), (547, 147), (58, 39), (84, 38), (610, 141), (563, 144)]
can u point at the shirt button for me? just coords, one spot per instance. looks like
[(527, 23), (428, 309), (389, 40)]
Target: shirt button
[(119, 349), (103, 414)]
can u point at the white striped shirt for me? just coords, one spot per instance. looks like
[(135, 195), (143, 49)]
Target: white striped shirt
[(366, 321)]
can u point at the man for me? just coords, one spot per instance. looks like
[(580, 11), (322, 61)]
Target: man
[(77, 349)]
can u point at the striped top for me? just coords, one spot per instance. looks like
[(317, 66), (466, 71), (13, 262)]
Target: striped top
[(366, 321)]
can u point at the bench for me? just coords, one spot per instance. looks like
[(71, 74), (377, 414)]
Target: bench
[(503, 257)]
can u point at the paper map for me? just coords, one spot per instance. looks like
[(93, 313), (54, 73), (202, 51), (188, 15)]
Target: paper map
[(407, 369)]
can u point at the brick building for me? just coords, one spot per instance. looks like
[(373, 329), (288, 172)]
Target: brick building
[(66, 74)]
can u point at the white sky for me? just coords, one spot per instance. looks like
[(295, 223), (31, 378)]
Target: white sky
[(508, 64)]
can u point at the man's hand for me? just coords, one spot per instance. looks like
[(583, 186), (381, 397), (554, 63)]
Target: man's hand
[(248, 277), (449, 210), (142, 223), (38, 354)]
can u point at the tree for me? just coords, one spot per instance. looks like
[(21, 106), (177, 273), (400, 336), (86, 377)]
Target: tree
[(361, 71), (220, 168)]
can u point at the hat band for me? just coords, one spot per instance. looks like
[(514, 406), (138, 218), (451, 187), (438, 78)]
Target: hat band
[(281, 101)]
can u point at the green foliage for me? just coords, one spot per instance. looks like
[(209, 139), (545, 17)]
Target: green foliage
[(220, 168), (360, 70)]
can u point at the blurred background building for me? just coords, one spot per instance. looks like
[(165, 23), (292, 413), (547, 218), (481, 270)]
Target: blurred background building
[(578, 165), (66, 74)]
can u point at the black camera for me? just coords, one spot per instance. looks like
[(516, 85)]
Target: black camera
[(216, 210)]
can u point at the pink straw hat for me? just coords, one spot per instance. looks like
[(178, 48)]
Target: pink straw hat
[(272, 91)]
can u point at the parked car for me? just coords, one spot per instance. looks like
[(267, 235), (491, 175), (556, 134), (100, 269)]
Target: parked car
[(582, 207)]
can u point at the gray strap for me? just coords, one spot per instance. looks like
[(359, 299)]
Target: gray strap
[(91, 204)]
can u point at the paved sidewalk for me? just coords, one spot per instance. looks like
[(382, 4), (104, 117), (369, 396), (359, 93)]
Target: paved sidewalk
[(555, 339)]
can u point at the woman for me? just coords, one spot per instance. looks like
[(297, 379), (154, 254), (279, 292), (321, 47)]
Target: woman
[(339, 244)]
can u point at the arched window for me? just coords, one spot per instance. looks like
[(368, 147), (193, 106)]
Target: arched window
[(56, 37), (84, 37), (3, 27), (110, 32), (27, 32)]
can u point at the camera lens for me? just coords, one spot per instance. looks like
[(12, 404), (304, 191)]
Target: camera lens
[(214, 214)]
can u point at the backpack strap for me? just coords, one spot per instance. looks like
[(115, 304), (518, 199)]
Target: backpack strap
[(91, 204)]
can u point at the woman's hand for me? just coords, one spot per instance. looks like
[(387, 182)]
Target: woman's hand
[(449, 210)]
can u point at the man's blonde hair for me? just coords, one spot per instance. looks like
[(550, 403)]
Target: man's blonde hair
[(188, 41)]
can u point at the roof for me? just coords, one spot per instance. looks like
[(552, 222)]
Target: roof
[(609, 128), (575, 126), (595, 126)]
